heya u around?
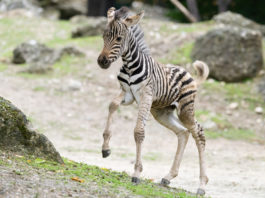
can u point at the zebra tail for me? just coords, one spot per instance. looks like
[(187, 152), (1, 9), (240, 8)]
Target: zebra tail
[(202, 71)]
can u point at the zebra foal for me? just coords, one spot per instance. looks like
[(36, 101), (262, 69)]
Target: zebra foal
[(156, 88)]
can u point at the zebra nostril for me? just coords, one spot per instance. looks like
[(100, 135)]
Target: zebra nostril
[(103, 61)]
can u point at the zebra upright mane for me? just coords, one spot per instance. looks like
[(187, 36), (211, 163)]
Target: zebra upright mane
[(136, 30)]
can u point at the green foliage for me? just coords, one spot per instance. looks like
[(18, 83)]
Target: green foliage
[(113, 181)]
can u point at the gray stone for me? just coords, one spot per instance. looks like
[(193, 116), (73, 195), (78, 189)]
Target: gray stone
[(40, 57), (17, 136), (31, 5), (234, 19), (32, 52), (232, 53), (261, 87), (92, 28)]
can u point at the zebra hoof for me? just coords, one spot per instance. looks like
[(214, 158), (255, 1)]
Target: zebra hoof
[(164, 182), (135, 180), (106, 153), (200, 192)]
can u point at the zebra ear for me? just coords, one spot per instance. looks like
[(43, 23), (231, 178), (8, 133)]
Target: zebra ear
[(133, 20), (111, 14)]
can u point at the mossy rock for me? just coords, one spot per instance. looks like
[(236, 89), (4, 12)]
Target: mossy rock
[(16, 135)]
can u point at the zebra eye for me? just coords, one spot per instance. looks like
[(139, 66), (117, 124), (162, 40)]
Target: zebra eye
[(118, 39)]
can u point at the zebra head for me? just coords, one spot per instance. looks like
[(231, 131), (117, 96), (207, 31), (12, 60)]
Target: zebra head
[(116, 35)]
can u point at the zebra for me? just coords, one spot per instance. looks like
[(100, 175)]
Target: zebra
[(168, 92)]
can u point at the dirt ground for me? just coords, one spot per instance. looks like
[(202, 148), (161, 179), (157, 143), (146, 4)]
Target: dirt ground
[(74, 121)]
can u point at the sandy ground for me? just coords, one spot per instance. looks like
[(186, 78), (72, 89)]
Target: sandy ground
[(74, 121)]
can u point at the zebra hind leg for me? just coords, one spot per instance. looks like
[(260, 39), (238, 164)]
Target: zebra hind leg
[(107, 132), (167, 118), (186, 115)]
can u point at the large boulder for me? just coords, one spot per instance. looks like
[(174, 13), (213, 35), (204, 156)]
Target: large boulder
[(232, 53), (92, 27), (233, 19), (32, 52), (17, 136), (31, 5), (40, 57)]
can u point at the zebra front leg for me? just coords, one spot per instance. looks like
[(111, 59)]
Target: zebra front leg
[(139, 134), (107, 132)]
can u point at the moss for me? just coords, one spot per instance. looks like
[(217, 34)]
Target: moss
[(113, 182)]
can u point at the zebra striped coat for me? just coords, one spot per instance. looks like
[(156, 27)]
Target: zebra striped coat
[(157, 88)]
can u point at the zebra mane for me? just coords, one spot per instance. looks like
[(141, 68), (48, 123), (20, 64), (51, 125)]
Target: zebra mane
[(136, 30)]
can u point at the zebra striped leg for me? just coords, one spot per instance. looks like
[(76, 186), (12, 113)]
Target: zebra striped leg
[(198, 135), (167, 118), (187, 117), (107, 132), (139, 134)]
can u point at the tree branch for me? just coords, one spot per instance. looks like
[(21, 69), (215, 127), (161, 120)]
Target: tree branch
[(184, 10)]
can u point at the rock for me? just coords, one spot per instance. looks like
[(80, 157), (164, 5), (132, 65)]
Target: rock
[(51, 13), (70, 8), (259, 110), (232, 53), (233, 105), (261, 87), (80, 19), (70, 50), (209, 125), (40, 57), (30, 5), (91, 29), (234, 19), (17, 136), (74, 85), (32, 52)]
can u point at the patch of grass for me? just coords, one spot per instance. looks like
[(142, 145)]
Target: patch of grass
[(151, 156), (3, 67), (116, 183), (232, 134), (237, 92), (185, 28), (39, 88), (180, 55), (68, 65), (224, 129)]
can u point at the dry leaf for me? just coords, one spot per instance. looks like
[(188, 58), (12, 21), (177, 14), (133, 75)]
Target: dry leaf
[(77, 179)]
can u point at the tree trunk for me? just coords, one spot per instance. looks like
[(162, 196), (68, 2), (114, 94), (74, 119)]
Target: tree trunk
[(193, 8), (184, 10), (223, 5), (99, 7)]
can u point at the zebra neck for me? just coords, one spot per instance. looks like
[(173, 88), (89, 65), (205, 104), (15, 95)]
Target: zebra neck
[(133, 58)]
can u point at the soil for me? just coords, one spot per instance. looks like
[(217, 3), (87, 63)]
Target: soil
[(74, 122)]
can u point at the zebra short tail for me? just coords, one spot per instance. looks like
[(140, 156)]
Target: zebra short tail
[(202, 71)]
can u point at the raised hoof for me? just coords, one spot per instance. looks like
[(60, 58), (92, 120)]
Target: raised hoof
[(135, 180), (164, 182), (200, 192), (105, 153)]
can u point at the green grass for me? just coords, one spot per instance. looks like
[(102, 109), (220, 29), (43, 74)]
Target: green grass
[(179, 55), (232, 134), (237, 92), (113, 181), (185, 28), (3, 67), (224, 128)]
